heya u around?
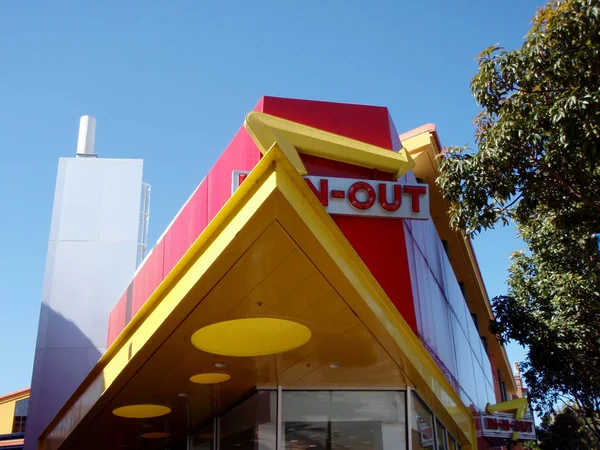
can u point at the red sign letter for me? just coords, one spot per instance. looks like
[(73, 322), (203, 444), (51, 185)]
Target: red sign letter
[(361, 186), (491, 423), (322, 194), (414, 192), (396, 201)]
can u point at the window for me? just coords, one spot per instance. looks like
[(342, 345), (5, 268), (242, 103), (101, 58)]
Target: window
[(422, 426), (475, 321), (502, 386), (204, 438), (445, 245), (325, 420), (441, 436), (356, 420), (452, 445), (484, 342), (20, 420), (251, 425)]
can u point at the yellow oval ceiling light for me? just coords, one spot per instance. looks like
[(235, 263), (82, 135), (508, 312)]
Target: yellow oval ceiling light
[(141, 411), (155, 435), (210, 378), (257, 336)]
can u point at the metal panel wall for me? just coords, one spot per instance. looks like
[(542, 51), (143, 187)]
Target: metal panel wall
[(91, 259), (202, 206)]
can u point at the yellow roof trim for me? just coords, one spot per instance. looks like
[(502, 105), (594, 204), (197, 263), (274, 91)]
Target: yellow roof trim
[(418, 144), (15, 396), (293, 138)]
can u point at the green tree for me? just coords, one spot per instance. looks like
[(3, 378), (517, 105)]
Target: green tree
[(532, 445), (565, 431), (537, 163)]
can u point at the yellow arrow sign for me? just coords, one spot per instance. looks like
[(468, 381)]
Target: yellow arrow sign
[(519, 405), (294, 138)]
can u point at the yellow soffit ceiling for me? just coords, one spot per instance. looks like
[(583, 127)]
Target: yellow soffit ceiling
[(274, 191), (293, 138)]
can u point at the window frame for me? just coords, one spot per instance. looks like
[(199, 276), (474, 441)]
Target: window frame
[(22, 423)]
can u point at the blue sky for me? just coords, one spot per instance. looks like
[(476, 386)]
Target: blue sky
[(170, 82)]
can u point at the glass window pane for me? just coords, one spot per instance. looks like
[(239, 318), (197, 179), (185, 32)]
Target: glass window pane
[(251, 425), (21, 407), (441, 436), (451, 443), (353, 420), (203, 439), (422, 426), (20, 419)]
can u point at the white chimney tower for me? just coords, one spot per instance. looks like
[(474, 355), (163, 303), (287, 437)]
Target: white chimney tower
[(94, 231), (87, 136)]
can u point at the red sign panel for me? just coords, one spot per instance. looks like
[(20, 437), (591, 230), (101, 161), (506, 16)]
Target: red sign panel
[(504, 425)]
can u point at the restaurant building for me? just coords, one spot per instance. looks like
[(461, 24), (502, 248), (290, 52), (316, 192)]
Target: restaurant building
[(310, 294), (13, 419)]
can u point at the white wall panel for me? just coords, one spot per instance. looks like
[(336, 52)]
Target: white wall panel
[(91, 259)]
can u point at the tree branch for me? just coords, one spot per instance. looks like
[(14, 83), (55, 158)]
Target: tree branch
[(593, 427), (542, 91), (506, 207), (589, 202)]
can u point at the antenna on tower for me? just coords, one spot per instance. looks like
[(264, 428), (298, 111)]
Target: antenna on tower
[(144, 219)]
